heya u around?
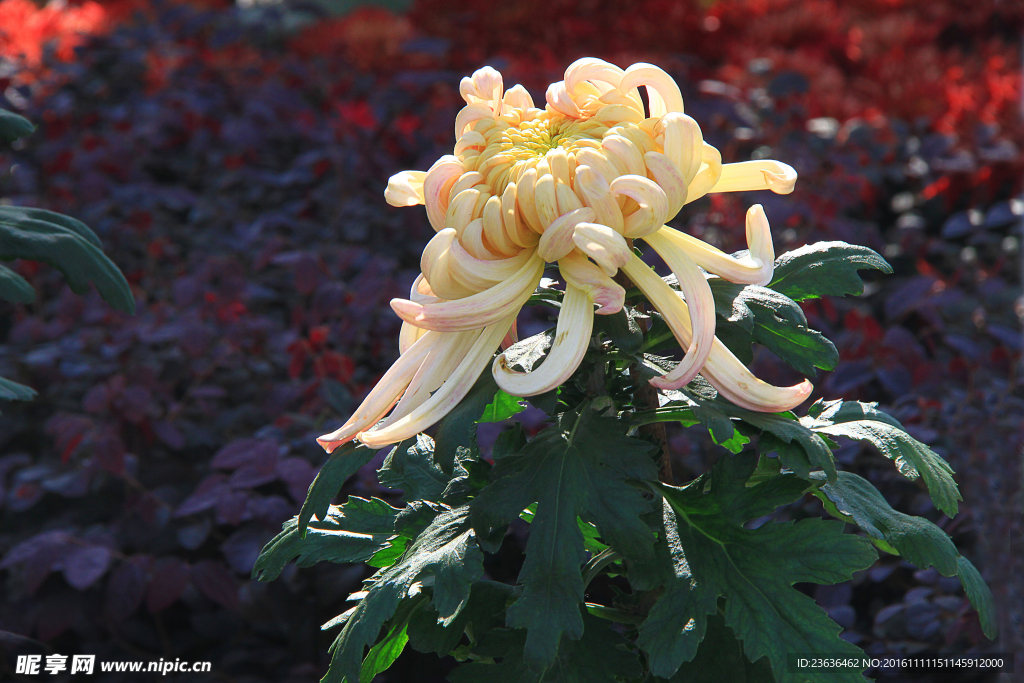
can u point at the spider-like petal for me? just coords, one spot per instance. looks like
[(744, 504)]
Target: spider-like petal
[(754, 269), (572, 336), (761, 174), (475, 311), (383, 395), (607, 247), (449, 394), (662, 91), (701, 309)]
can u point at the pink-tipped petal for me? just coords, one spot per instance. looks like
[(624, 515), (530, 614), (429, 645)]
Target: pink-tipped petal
[(448, 395), (557, 240), (662, 91), (437, 186), (669, 178), (584, 275), (517, 97), (473, 312), (572, 337), (607, 247), (383, 395), (559, 99)]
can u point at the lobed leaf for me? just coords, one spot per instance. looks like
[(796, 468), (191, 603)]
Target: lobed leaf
[(824, 269), (919, 541), (713, 555), (69, 246), (341, 464)]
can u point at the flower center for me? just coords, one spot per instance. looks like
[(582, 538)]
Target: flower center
[(501, 150)]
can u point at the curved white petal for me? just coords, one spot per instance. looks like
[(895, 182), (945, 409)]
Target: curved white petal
[(557, 240), (669, 178), (756, 268), (572, 336), (383, 395), (437, 187), (662, 90), (448, 396), (517, 97), (607, 247), (602, 290), (441, 361), (701, 309), (709, 173), (598, 196), (761, 174), (473, 312), (653, 204), (405, 188)]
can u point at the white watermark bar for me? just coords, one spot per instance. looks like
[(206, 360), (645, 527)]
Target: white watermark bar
[(995, 662), (39, 665)]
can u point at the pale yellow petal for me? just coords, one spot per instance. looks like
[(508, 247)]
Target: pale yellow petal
[(761, 174), (602, 290), (449, 394), (405, 188), (708, 175), (572, 337), (652, 200), (441, 361), (669, 178), (557, 240), (662, 91), (437, 188), (473, 312), (597, 195), (383, 395), (700, 307)]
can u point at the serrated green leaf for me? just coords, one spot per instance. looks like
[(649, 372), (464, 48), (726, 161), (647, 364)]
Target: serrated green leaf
[(600, 656), (484, 611), (754, 569), (502, 407), (12, 391), (65, 244), (786, 428), (15, 288), (13, 126), (824, 269), (410, 466), (720, 659), (916, 539), (447, 551), (470, 475), (352, 532), (577, 467), (382, 655), (341, 464), (621, 329), (458, 427), (912, 457)]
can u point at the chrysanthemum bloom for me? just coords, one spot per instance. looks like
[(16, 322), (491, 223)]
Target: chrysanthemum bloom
[(567, 184)]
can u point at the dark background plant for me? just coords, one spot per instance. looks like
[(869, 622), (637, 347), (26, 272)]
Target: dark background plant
[(234, 174)]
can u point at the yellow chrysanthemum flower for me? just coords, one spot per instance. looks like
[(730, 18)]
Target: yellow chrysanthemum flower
[(567, 184)]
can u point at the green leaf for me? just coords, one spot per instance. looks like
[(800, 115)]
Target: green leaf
[(720, 659), (341, 464), (577, 467), (916, 539), (458, 427), (502, 407), (410, 466), (382, 655), (13, 126), (484, 611), (622, 329), (15, 288), (863, 422), (754, 569), (786, 428), (352, 532), (69, 246), (824, 269), (446, 550), (12, 391), (600, 656), (774, 321)]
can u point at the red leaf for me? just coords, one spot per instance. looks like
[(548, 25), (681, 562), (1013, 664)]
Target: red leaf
[(216, 582), (166, 583)]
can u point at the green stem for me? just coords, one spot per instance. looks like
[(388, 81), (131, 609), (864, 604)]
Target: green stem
[(612, 614), (597, 563), (646, 417)]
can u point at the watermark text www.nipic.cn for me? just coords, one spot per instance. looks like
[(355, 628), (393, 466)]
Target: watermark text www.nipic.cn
[(34, 665)]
